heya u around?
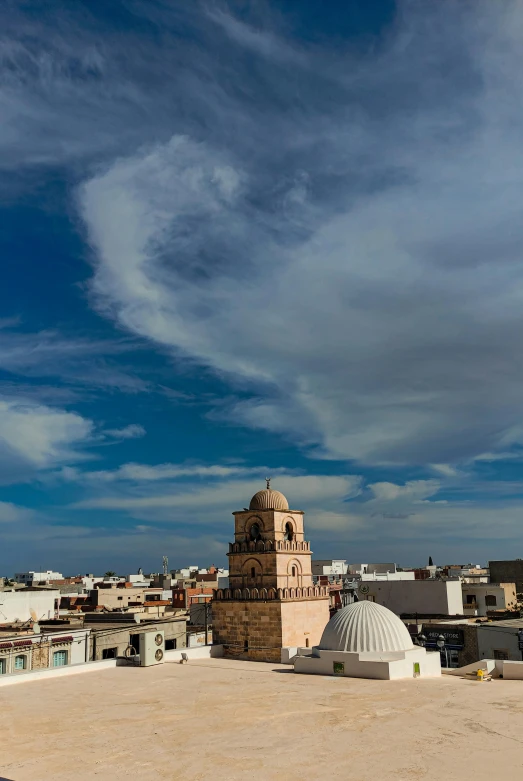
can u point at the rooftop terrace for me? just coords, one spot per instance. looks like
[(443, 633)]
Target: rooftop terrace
[(230, 720)]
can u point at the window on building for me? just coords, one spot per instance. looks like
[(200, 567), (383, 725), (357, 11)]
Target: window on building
[(120, 597), (255, 532), (471, 599), (253, 572), (294, 572), (109, 653), (490, 600), (245, 645), (289, 531), (170, 645), (3, 666), (500, 653), (60, 658), (20, 662)]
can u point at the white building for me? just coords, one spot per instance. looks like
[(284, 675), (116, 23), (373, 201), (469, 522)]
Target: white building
[(398, 575), (25, 605), (22, 653), (501, 640), (479, 598), (365, 640), (329, 567), (364, 569), (426, 597), (30, 578)]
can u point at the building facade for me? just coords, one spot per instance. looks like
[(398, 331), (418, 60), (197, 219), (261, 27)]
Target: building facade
[(510, 571), (28, 578), (25, 605), (271, 601), (501, 640), (22, 653), (329, 567), (117, 636), (426, 597), (482, 598)]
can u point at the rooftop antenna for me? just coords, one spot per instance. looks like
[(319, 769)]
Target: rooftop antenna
[(165, 561), (268, 481)]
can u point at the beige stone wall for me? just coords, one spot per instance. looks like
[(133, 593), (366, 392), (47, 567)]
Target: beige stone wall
[(304, 620), (271, 522), (273, 569), (258, 624), (266, 627), (40, 656)]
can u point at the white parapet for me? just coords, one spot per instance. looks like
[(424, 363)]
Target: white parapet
[(56, 672)]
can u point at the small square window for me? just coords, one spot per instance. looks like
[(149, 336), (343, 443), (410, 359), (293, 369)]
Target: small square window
[(109, 653), (60, 658)]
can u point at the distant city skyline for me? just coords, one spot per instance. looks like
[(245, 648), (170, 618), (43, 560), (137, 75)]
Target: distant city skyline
[(250, 239)]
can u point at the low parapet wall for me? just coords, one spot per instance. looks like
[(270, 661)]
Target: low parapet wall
[(56, 672), (203, 652), (512, 671)]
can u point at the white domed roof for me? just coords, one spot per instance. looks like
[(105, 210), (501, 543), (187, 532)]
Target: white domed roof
[(269, 500), (365, 627)]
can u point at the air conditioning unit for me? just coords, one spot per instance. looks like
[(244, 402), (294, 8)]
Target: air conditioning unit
[(152, 648)]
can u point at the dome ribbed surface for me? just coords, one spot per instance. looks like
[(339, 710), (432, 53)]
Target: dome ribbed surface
[(269, 500), (365, 627)]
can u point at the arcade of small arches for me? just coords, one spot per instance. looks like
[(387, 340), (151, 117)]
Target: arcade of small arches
[(265, 594), (268, 545)]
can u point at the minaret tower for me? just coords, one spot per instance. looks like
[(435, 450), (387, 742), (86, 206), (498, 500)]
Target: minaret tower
[(271, 601)]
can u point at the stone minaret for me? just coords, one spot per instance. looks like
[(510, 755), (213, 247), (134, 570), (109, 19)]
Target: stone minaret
[(271, 602)]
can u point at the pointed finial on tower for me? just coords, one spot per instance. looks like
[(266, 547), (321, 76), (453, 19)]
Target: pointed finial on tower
[(268, 481)]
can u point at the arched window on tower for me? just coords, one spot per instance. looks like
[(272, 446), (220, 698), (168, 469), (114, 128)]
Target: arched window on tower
[(253, 572), (294, 572), (255, 532), (289, 532)]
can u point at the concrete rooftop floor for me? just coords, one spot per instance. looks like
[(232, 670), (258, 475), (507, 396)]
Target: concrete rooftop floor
[(227, 720)]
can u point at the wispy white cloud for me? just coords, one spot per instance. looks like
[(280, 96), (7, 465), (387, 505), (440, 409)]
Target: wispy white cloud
[(36, 437), (206, 504), (144, 473), (11, 513), (363, 315), (132, 431), (413, 490), (72, 359), (446, 470)]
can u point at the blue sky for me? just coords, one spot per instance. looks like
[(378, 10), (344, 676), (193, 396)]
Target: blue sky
[(250, 238)]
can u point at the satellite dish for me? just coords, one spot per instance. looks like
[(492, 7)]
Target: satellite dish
[(364, 588)]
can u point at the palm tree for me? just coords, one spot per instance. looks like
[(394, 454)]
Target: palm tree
[(109, 574)]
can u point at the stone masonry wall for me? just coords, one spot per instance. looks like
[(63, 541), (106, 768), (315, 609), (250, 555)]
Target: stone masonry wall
[(248, 630), (40, 656)]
